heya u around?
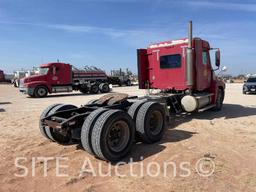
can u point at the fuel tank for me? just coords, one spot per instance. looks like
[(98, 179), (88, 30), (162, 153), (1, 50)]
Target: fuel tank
[(192, 103)]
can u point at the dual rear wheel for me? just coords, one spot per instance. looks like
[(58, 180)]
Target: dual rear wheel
[(95, 88), (150, 119), (55, 134), (109, 133)]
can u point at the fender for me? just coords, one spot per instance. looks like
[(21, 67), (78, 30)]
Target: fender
[(34, 84), (216, 84)]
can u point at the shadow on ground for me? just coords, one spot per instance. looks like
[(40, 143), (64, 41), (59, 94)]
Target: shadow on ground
[(70, 94), (61, 95), (229, 111), (5, 103), (66, 95), (146, 150)]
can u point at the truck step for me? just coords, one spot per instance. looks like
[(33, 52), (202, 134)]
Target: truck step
[(202, 96), (176, 105), (206, 108)]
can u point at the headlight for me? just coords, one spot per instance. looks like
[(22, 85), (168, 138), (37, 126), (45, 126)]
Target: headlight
[(245, 88)]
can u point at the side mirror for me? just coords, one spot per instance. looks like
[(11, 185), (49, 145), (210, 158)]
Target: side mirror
[(224, 69), (217, 58)]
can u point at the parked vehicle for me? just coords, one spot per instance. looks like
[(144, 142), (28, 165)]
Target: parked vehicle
[(8, 77), (119, 77), (17, 76), (62, 77), (2, 79), (250, 85), (180, 69)]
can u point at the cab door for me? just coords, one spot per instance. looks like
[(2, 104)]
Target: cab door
[(61, 74), (50, 75), (55, 75), (143, 68), (203, 66)]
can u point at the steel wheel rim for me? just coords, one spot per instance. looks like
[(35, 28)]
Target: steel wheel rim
[(118, 136), (41, 91), (155, 122), (105, 88), (95, 88)]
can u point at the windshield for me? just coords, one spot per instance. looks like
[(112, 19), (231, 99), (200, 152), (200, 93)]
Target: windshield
[(43, 71), (251, 80)]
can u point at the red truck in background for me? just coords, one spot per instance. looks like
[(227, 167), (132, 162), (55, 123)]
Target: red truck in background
[(2, 79), (61, 77)]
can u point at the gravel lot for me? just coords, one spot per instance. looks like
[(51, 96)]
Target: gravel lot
[(227, 139)]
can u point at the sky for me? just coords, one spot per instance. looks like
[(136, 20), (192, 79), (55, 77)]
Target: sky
[(106, 33)]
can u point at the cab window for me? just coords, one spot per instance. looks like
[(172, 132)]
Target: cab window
[(205, 58), (251, 80), (57, 70), (170, 61)]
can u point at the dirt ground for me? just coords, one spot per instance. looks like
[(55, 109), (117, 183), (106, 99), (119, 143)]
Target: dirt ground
[(226, 138)]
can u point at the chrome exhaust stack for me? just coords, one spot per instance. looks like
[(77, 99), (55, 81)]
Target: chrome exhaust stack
[(189, 55)]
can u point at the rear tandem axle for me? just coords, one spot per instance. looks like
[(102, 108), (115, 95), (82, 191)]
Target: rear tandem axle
[(108, 126)]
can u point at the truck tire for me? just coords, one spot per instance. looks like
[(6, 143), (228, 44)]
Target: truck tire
[(134, 108), (104, 88), (31, 95), (94, 89), (150, 122), (219, 100), (128, 82), (86, 131), (13, 83), (41, 91), (92, 101), (113, 135), (43, 115), (54, 135), (84, 89), (133, 111)]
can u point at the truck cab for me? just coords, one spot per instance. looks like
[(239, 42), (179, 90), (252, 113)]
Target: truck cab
[(57, 73), (2, 79), (183, 67), (50, 75), (163, 66)]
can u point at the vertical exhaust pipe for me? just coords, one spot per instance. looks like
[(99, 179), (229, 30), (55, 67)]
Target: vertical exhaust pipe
[(189, 56), (190, 34)]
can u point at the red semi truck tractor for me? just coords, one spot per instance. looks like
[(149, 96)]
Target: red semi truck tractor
[(2, 79), (62, 77), (180, 72)]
